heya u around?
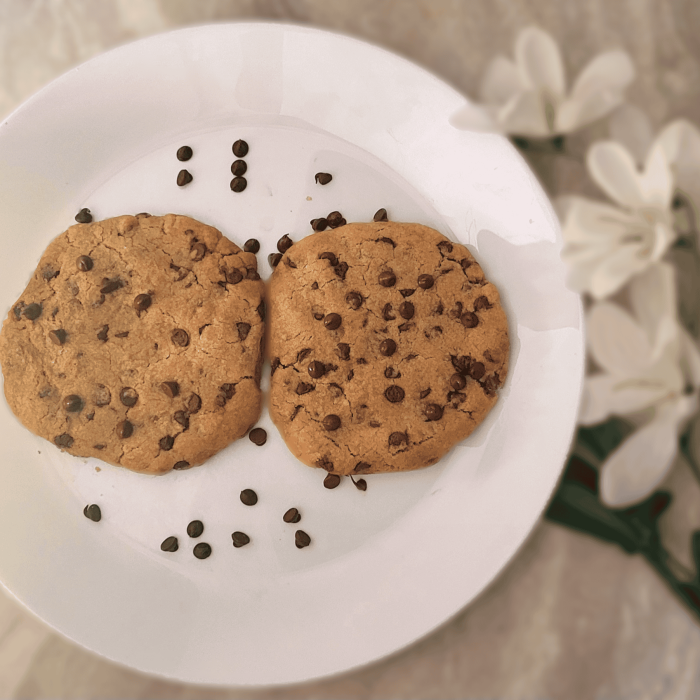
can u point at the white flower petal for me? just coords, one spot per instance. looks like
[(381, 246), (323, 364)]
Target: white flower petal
[(524, 115), (588, 221), (616, 269), (653, 299), (539, 60), (610, 71), (637, 466), (630, 126), (656, 183), (573, 114), (617, 343), (680, 141), (474, 117), (690, 356), (614, 170), (501, 82)]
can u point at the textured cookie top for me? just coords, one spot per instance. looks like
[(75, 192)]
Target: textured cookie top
[(138, 341), (387, 345)]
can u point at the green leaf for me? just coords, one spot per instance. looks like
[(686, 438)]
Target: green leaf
[(602, 439)]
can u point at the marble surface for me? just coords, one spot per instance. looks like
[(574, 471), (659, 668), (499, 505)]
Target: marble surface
[(570, 617)]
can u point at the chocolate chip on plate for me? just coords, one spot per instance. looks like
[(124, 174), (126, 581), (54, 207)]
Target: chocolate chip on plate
[(202, 550), (169, 544), (331, 422), (387, 278), (292, 516), (93, 512), (332, 321), (425, 281), (252, 245), (184, 153), (195, 528), (258, 436), (73, 403), (249, 497), (238, 184), (240, 539), (170, 389), (380, 215), (284, 243), (239, 167), (335, 219), (331, 481), (319, 224), (128, 396), (360, 484), (323, 178), (387, 347), (83, 216), (83, 263), (394, 394), (274, 259), (240, 149), (301, 539), (184, 177)]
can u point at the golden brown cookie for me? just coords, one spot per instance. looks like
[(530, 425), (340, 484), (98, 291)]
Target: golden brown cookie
[(387, 347), (138, 341)]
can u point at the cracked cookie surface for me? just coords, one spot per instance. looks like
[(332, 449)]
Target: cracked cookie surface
[(138, 341), (387, 346)]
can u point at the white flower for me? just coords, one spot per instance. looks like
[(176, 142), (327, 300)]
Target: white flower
[(528, 97), (605, 245), (648, 362)]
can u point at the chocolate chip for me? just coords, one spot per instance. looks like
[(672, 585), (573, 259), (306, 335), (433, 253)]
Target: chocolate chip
[(84, 263), (182, 464), (319, 317), (332, 321), (481, 303), (252, 245), (303, 354), (195, 528), (457, 382), (330, 257), (325, 463), (316, 369), (184, 177), (491, 383), (385, 239), (323, 178), (465, 263), (354, 300), (182, 418), (125, 429), (240, 149), (169, 544), (249, 497), (202, 550), (274, 259), (233, 276), (102, 395), (180, 337), (387, 315), (228, 390), (407, 310), (239, 167), (426, 281), (292, 516), (360, 484), (391, 373), (243, 330), (405, 326), (142, 302), (238, 184), (304, 388), (284, 243), (406, 292), (320, 224), (314, 285), (380, 215), (58, 337), (128, 396), (341, 270), (343, 350), (111, 285), (433, 411), (396, 439), (444, 247), (387, 278), (184, 153), (362, 466), (83, 216), (102, 334), (197, 251), (331, 481), (166, 443), (194, 403), (73, 403), (258, 436), (335, 219), (331, 422), (387, 347), (49, 273), (32, 311), (63, 440), (469, 319), (261, 310), (477, 370), (240, 539), (425, 393), (301, 539), (394, 394), (93, 512)]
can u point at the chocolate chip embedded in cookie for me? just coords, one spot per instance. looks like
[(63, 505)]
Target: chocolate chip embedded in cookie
[(138, 341), (385, 365)]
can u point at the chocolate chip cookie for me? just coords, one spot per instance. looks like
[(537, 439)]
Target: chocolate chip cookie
[(138, 341), (387, 344)]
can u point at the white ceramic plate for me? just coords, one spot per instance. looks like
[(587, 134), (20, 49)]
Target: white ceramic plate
[(386, 566)]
